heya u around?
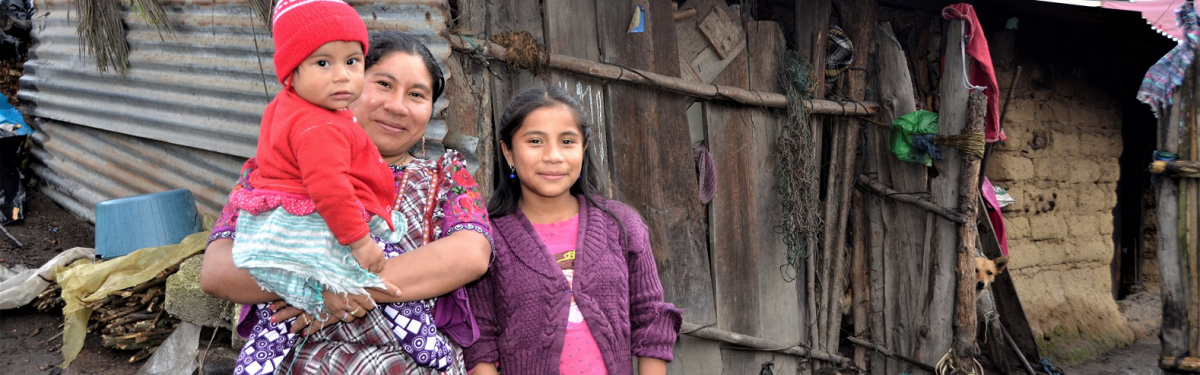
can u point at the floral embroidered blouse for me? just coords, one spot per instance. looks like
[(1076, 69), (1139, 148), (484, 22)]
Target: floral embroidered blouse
[(443, 198)]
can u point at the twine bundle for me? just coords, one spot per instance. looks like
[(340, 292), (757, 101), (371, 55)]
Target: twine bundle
[(971, 143), (797, 173)]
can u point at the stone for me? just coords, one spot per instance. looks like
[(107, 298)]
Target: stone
[(217, 360), (186, 301)]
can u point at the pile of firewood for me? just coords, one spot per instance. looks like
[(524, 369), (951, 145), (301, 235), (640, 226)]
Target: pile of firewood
[(130, 319)]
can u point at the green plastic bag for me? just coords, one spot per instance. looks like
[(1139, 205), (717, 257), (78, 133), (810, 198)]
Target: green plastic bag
[(905, 131)]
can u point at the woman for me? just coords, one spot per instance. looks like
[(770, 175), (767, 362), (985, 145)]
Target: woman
[(449, 246)]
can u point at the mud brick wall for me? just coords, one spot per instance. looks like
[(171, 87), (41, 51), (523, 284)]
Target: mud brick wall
[(1060, 163)]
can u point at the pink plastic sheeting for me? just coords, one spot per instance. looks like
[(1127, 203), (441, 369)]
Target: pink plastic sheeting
[(1160, 14)]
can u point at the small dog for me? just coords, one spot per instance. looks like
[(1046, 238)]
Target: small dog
[(986, 271)]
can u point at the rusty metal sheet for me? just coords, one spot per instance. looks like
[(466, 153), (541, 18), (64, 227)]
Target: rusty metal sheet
[(187, 112)]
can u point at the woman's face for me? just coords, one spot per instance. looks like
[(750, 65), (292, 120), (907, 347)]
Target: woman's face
[(547, 150), (396, 104)]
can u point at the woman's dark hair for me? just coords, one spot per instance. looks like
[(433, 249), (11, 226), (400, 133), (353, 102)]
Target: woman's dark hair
[(592, 181), (384, 43)]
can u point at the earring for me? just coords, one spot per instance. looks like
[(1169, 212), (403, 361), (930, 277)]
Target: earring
[(513, 174), (422, 146)]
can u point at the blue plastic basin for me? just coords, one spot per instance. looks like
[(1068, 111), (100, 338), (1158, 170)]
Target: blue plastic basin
[(127, 224)]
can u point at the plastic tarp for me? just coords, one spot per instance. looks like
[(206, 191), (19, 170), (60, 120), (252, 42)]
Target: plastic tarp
[(93, 281), (18, 287)]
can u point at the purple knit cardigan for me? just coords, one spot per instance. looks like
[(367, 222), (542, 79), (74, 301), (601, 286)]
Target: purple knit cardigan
[(522, 303)]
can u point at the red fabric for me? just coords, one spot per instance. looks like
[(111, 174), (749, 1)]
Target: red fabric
[(993, 212), (305, 149), (299, 27), (982, 72)]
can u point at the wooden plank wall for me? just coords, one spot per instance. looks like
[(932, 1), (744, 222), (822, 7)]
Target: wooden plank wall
[(570, 34), (652, 166), (752, 296)]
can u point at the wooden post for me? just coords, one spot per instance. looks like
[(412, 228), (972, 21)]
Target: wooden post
[(934, 338), (1174, 322), (1177, 168), (968, 232)]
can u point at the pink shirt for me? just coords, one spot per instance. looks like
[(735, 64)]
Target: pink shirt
[(580, 354)]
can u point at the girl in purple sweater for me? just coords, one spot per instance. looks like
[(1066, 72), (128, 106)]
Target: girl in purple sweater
[(574, 288)]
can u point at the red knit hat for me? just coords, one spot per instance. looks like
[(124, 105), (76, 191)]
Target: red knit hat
[(301, 26)]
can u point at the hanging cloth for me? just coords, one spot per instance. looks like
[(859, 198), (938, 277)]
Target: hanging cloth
[(1167, 74), (982, 73)]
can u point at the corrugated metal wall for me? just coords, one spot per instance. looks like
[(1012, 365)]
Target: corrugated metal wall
[(187, 113)]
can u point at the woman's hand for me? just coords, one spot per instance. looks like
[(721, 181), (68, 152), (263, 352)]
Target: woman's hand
[(345, 308)]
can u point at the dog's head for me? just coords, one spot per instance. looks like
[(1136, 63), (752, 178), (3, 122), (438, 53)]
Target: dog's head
[(986, 271)]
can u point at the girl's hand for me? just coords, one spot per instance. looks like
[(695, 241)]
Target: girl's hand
[(368, 254), (485, 369)]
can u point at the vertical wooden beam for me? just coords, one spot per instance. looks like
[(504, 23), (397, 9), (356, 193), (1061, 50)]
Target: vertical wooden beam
[(933, 339), (812, 29), (859, 275), (652, 160), (1175, 332), (468, 89), (968, 232)]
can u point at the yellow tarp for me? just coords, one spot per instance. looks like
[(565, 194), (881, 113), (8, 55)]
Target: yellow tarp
[(84, 281)]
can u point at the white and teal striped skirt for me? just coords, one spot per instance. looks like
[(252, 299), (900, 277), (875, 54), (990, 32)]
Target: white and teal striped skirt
[(297, 257)]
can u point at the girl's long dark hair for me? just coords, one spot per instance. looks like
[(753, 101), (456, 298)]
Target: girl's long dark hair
[(592, 181)]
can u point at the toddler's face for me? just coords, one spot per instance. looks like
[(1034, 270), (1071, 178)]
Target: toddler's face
[(332, 76)]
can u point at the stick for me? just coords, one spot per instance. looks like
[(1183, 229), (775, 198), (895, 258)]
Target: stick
[(654, 80), (1017, 349), (11, 238), (922, 203), (714, 334), (884, 351), (1176, 168)]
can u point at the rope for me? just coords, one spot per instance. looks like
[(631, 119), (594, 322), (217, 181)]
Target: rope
[(971, 143), (946, 366), (797, 173)]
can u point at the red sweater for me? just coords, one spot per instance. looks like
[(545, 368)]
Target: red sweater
[(323, 155)]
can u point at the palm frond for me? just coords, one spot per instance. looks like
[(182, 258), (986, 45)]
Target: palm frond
[(153, 13), (103, 33), (263, 9)]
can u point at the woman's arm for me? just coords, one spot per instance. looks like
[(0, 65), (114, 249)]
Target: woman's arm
[(429, 271), (436, 268), (220, 278)]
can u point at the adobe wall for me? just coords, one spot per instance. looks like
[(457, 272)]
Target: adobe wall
[(1060, 163)]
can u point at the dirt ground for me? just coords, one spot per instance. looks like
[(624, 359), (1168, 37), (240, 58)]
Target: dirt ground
[(30, 339)]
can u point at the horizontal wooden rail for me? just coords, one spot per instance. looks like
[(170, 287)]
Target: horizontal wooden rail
[(1184, 364), (1177, 168), (610, 72), (714, 334)]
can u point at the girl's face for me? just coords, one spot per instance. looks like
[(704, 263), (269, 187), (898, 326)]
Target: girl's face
[(547, 150), (396, 104), (332, 76)]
